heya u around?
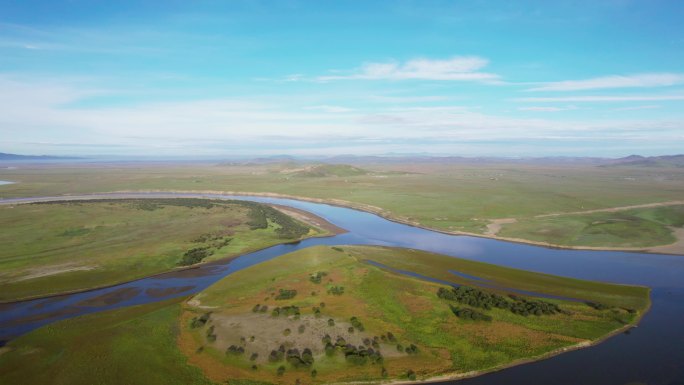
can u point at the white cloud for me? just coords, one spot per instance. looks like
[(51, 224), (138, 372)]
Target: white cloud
[(601, 98), (615, 81), (457, 68)]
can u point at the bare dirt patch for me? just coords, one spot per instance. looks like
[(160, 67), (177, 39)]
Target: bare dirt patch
[(45, 271), (268, 334), (495, 225), (673, 248)]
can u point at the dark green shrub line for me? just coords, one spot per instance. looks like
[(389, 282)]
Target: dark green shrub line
[(195, 255), (286, 311), (481, 299), (259, 216)]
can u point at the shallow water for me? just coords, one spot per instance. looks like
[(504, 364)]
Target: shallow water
[(653, 353)]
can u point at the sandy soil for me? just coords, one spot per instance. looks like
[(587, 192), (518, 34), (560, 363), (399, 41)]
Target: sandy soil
[(494, 226), (310, 218), (268, 333), (673, 248), (45, 271)]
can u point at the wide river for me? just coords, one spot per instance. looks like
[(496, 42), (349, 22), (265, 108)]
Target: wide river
[(653, 353)]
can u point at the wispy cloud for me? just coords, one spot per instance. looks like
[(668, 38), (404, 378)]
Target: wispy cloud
[(547, 109), (330, 109), (601, 98), (615, 81), (457, 68), (637, 108)]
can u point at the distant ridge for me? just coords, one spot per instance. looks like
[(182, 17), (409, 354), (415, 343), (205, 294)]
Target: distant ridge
[(650, 161), (6, 156)]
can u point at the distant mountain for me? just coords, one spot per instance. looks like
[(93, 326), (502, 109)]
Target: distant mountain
[(650, 161), (325, 170), (6, 156)]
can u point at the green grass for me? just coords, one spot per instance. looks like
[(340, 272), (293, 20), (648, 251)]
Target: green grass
[(134, 345), (409, 307), (634, 228), (57, 247), (447, 197)]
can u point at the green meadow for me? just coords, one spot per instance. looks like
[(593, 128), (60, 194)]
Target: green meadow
[(440, 196), (58, 247)]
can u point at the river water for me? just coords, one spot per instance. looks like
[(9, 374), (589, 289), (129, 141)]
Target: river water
[(653, 353)]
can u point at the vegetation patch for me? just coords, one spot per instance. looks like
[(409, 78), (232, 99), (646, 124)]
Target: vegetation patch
[(375, 332), (109, 241)]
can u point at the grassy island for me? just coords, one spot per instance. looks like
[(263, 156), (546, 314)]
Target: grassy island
[(351, 315)]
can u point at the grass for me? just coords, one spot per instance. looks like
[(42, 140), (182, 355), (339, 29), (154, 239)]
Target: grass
[(134, 345), (58, 247), (634, 228), (388, 302), (446, 197)]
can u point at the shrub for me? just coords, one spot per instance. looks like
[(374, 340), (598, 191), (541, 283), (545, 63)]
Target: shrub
[(281, 370), (286, 294), (411, 375)]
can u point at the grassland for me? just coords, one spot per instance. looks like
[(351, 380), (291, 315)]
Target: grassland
[(458, 198), (134, 345), (236, 338), (637, 228), (157, 343), (58, 247)]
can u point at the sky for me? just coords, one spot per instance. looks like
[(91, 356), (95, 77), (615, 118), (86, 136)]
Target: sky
[(310, 78)]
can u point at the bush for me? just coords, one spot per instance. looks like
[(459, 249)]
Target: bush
[(471, 314), (411, 375), (331, 322), (281, 370), (254, 356), (336, 290), (286, 294), (317, 277), (198, 322), (195, 255), (301, 329), (234, 350)]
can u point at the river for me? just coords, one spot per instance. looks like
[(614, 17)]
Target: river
[(653, 353)]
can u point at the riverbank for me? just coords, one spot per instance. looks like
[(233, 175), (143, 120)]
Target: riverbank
[(676, 248)]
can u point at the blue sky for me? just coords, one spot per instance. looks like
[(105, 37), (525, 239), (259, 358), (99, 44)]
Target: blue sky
[(225, 78)]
